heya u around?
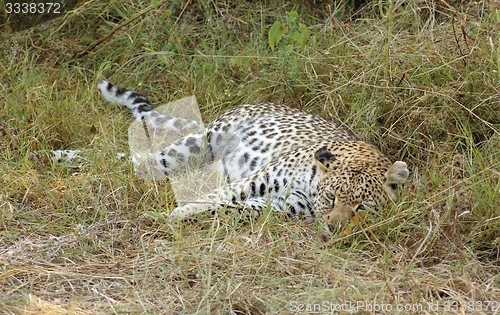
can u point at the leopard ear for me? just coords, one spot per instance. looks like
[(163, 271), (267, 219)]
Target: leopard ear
[(395, 177), (326, 160)]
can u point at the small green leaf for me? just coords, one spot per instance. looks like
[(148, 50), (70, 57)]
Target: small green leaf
[(169, 12), (301, 37), (293, 13), (275, 34)]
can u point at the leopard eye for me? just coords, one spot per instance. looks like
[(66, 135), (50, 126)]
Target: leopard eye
[(394, 186), (361, 208), (330, 196)]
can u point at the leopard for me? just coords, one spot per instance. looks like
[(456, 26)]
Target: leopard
[(285, 160)]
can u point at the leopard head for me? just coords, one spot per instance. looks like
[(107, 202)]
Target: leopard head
[(363, 179)]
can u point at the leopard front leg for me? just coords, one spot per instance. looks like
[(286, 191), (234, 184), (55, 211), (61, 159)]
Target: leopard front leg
[(249, 208), (250, 197), (235, 197)]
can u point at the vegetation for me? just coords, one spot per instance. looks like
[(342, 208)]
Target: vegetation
[(418, 79)]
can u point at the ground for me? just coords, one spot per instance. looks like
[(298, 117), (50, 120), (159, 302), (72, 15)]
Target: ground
[(419, 80)]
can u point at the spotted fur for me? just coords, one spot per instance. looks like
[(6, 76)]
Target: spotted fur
[(284, 159)]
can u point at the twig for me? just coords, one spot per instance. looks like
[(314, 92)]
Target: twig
[(464, 33), (455, 33), (33, 44), (402, 78), (116, 28)]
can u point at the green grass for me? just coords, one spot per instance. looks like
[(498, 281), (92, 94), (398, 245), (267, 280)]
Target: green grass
[(92, 239)]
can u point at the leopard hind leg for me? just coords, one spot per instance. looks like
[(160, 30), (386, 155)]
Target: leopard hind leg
[(190, 151)]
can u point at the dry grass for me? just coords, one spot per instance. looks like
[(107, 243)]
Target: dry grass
[(90, 238)]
